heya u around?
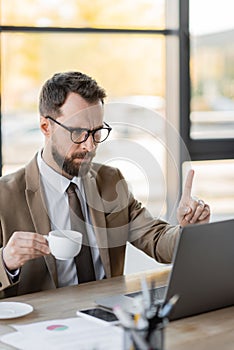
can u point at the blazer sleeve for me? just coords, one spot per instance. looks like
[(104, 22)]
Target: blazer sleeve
[(156, 237), (128, 220), (5, 280)]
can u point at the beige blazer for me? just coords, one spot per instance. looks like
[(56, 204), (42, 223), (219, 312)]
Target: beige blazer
[(116, 215)]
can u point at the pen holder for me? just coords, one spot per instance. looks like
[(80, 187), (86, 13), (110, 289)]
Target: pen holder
[(144, 339), (155, 337), (133, 338)]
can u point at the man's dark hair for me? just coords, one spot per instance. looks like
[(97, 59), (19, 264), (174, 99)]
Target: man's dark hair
[(56, 89)]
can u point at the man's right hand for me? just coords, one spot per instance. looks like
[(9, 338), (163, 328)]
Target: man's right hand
[(24, 246)]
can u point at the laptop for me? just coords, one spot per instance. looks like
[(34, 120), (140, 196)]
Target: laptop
[(202, 272)]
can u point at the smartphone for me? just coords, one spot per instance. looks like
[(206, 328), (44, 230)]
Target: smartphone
[(98, 315)]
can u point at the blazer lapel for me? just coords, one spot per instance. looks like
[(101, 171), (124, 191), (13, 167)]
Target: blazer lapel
[(38, 211), (96, 210)]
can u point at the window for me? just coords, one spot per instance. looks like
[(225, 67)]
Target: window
[(210, 129), (131, 48), (212, 73), (157, 61), (127, 58), (207, 123), (125, 46)]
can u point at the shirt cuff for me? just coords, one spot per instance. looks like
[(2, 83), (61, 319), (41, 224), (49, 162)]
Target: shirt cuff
[(14, 274)]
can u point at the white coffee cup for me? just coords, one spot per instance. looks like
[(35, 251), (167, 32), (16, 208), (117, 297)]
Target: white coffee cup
[(64, 244)]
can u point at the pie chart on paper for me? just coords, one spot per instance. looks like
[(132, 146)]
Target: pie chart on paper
[(57, 327)]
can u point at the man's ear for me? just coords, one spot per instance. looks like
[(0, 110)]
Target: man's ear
[(45, 126)]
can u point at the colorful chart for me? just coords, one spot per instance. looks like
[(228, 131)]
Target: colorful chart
[(57, 327)]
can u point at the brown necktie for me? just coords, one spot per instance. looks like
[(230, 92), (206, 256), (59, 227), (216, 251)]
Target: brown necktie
[(84, 261)]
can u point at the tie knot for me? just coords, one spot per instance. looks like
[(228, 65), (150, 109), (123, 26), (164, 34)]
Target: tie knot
[(71, 188)]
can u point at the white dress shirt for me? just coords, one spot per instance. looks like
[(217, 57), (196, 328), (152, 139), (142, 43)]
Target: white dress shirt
[(54, 188)]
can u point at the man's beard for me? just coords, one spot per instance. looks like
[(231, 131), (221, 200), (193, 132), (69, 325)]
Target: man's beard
[(70, 167)]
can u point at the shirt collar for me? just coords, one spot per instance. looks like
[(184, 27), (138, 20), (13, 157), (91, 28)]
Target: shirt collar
[(55, 180)]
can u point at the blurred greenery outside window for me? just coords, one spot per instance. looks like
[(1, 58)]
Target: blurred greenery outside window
[(29, 59), (212, 69), (138, 14), (131, 68)]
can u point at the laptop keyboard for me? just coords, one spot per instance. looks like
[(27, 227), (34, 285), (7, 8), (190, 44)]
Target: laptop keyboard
[(159, 293)]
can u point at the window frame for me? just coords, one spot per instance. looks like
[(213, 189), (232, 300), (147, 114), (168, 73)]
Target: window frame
[(201, 149), (79, 30)]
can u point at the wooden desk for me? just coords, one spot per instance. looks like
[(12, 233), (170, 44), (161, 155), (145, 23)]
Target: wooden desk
[(209, 331)]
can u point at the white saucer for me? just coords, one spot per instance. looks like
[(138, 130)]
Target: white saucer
[(14, 309)]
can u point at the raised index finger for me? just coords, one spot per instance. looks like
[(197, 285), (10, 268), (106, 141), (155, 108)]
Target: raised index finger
[(186, 195)]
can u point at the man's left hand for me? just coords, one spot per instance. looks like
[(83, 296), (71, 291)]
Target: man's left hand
[(191, 210)]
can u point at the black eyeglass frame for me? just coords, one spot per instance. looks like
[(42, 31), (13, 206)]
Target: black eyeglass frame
[(88, 131)]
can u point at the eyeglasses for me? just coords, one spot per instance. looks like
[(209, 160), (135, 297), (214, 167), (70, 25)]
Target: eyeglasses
[(79, 135)]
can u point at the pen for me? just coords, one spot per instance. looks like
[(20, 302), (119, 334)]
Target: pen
[(140, 322), (151, 312), (166, 309), (152, 292), (136, 319), (145, 293), (124, 318), (139, 341)]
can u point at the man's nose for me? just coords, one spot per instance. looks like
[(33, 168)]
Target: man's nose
[(88, 144)]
